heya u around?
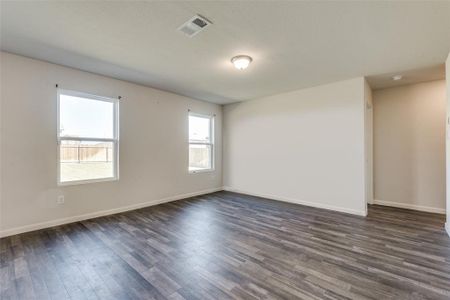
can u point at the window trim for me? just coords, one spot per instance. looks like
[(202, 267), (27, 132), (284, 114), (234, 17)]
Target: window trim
[(211, 143), (114, 140)]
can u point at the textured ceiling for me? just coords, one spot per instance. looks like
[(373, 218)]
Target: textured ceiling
[(293, 44), (383, 81)]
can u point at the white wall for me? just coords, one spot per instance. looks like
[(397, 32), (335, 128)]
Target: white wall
[(368, 141), (409, 146), (306, 146), (153, 146), (447, 147)]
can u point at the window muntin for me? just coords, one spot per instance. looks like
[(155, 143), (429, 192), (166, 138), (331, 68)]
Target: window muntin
[(201, 143), (87, 138)]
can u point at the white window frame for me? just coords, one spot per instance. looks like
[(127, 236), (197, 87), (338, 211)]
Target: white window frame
[(211, 142), (114, 140)]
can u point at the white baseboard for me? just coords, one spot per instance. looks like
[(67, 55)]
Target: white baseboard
[(296, 201), (447, 228), (37, 226), (410, 206)]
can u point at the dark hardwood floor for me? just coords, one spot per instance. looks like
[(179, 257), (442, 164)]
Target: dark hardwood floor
[(227, 245)]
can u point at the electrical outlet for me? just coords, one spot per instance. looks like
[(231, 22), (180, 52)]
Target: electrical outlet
[(60, 199)]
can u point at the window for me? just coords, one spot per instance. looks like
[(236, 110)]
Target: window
[(201, 143), (87, 138)]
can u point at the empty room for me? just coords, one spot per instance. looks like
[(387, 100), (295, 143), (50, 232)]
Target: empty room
[(224, 150)]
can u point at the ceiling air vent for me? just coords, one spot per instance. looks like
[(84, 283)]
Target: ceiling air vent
[(194, 25)]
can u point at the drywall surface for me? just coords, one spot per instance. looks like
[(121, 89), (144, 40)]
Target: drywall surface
[(306, 146), (153, 146), (409, 146), (447, 147), (368, 99)]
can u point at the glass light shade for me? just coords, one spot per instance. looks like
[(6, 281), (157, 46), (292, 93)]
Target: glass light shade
[(241, 62)]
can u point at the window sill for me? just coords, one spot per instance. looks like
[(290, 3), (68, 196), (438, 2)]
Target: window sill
[(201, 171), (79, 182)]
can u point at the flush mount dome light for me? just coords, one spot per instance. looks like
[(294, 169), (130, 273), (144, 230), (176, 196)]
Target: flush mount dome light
[(397, 77), (241, 62)]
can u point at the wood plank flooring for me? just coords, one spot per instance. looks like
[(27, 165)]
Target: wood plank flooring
[(231, 246)]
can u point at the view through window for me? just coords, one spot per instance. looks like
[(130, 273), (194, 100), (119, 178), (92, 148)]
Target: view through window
[(200, 143), (87, 137)]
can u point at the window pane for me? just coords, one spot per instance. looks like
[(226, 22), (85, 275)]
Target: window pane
[(199, 128), (199, 157), (81, 117), (86, 160)]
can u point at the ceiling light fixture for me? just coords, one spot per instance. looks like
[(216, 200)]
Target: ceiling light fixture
[(241, 62), (397, 77)]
